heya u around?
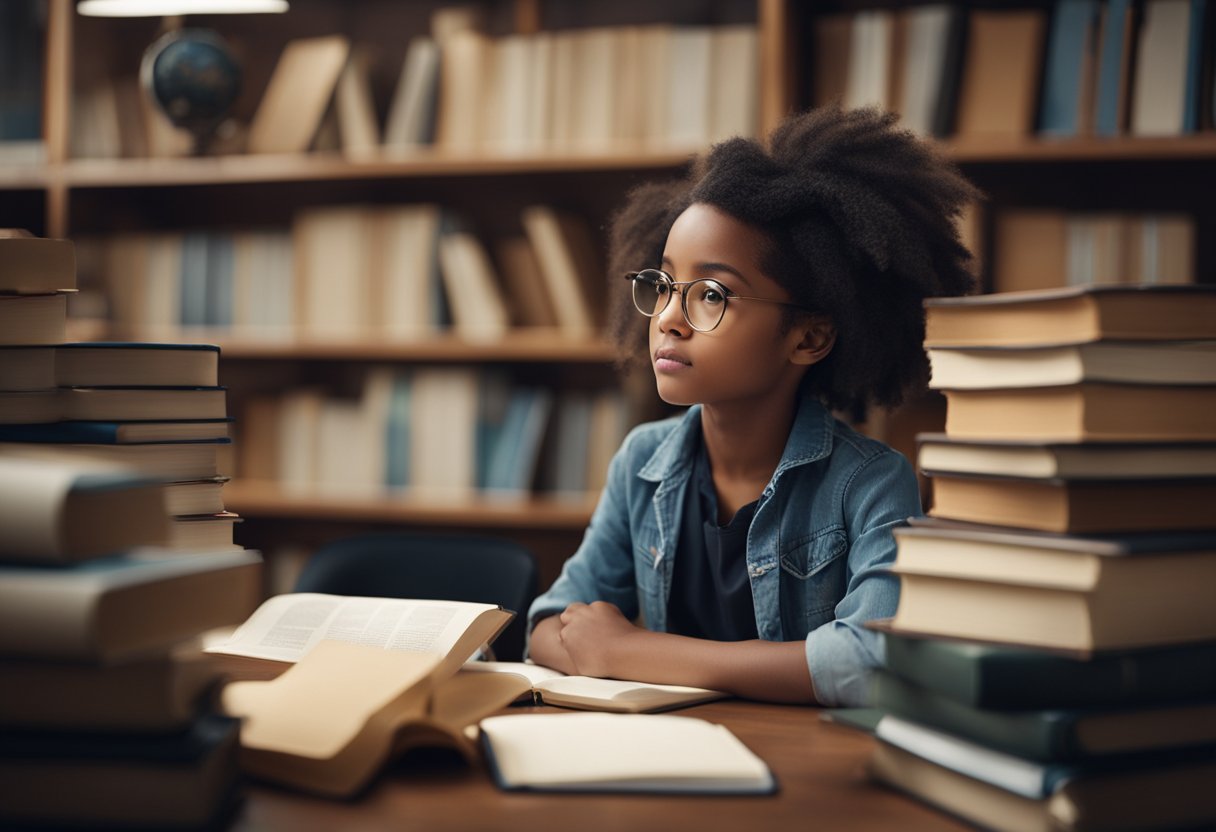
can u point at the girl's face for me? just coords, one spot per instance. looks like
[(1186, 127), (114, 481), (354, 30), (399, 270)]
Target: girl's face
[(746, 358)]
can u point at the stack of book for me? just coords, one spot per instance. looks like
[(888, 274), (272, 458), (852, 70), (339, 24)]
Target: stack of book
[(1052, 662), (104, 714), (157, 408)]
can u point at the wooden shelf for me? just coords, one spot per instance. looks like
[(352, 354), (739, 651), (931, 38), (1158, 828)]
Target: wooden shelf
[(544, 346), (253, 499), (230, 170), (1200, 147)]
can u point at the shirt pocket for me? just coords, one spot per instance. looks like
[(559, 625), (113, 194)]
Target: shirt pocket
[(814, 578)]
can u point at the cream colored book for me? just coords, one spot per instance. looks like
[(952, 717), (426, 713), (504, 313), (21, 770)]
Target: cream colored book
[(552, 687), (287, 627), (621, 753), (332, 721)]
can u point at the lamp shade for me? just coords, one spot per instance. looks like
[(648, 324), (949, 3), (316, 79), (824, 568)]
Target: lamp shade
[(165, 8)]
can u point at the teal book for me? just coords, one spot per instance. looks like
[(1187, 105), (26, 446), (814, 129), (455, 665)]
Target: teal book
[(1069, 48), (996, 676), (1198, 37), (1053, 735), (1113, 70), (397, 429), (213, 431)]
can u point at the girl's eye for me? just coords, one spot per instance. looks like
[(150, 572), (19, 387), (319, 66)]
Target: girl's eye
[(712, 295)]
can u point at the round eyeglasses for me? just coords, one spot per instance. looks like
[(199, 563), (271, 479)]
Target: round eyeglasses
[(702, 301)]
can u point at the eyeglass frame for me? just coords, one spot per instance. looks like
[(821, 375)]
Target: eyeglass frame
[(727, 294)]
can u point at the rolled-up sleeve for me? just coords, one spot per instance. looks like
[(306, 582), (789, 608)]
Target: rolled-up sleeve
[(602, 567), (843, 653)]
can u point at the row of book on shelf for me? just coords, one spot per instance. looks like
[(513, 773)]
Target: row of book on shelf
[(358, 273), (1074, 68), (598, 89), (105, 697), (1052, 661), (434, 431)]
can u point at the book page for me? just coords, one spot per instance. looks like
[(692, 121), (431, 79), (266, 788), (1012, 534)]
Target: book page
[(286, 627), (621, 752), (586, 691), (534, 673)]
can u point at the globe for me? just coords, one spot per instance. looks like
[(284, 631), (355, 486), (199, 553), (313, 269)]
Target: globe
[(193, 78)]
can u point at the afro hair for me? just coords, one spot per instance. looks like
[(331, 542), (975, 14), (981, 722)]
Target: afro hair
[(861, 217)]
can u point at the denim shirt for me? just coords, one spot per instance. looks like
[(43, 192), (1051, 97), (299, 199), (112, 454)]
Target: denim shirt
[(818, 548)]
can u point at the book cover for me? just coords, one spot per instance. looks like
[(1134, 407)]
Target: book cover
[(1075, 314), (1070, 53), (998, 93), (549, 753), (1018, 678), (1055, 735)]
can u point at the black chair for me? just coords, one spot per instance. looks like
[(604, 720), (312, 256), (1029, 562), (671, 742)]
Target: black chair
[(459, 568)]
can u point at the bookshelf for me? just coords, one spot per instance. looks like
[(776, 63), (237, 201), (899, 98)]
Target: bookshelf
[(229, 192)]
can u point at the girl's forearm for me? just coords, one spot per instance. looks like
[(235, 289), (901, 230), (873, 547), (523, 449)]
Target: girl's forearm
[(762, 670)]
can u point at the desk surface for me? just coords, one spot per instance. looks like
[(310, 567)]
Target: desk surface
[(819, 767)]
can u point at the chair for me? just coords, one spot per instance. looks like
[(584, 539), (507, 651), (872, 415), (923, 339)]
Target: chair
[(459, 568)]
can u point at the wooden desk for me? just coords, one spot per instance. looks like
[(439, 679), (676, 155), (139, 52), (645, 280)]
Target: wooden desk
[(819, 767)]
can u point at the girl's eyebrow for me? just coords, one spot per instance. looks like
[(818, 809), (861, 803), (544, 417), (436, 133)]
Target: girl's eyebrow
[(711, 268)]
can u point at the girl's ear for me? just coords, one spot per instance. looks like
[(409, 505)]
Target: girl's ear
[(818, 336)]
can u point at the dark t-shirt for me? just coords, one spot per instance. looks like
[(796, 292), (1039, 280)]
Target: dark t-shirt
[(711, 596)]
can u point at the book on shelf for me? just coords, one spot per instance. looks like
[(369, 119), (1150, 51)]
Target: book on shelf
[(298, 94), (1129, 362), (149, 694), (1051, 735), (1160, 88), (114, 608), (411, 115), (203, 531), (36, 265), (285, 628), (932, 68), (1085, 412), (513, 457), (1075, 506), (140, 364), (734, 83), (527, 296), (939, 453), (1074, 314), (832, 35), (443, 431), (410, 278), (569, 266), (1152, 797), (463, 73), (391, 701), (33, 319), (56, 509), (1114, 69), (334, 250), (552, 687), (358, 125), (1014, 678), (153, 404), (117, 433), (479, 311), (1069, 71), (962, 550), (25, 369), (999, 87), (1030, 250), (690, 66), (1076, 614), (185, 780), (647, 753)]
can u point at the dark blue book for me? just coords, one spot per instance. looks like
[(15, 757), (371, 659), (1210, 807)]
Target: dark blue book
[(1057, 734), (185, 780), (119, 433), (996, 676), (1069, 48), (1198, 37)]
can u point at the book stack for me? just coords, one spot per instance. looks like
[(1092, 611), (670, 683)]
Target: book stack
[(157, 408), (1052, 662)]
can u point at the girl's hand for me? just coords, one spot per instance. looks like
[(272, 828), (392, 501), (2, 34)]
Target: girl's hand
[(593, 634)]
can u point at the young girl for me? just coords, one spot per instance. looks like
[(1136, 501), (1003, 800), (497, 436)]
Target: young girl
[(749, 537)]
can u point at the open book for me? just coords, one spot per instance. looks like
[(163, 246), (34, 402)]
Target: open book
[(621, 753), (552, 687), (334, 718), (286, 627)]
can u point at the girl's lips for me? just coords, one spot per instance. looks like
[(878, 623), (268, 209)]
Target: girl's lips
[(670, 361)]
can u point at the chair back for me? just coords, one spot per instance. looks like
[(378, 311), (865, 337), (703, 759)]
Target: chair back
[(452, 568)]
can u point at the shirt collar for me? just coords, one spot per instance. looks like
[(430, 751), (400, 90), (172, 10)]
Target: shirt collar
[(810, 439)]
